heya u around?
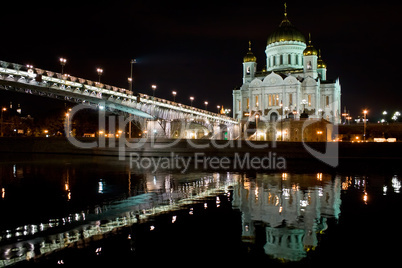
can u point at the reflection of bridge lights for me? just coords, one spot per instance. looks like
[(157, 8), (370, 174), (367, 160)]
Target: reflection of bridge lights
[(100, 187), (396, 184)]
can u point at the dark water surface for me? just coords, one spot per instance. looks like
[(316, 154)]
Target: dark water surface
[(99, 211)]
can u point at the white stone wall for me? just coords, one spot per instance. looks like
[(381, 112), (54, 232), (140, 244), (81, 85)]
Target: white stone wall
[(278, 55)]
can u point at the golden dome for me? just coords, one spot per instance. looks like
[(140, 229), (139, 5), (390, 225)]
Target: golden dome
[(249, 56), (320, 63), (310, 50), (286, 32)]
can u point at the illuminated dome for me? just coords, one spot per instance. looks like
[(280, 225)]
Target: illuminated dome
[(249, 56), (286, 32), (320, 63), (310, 50)]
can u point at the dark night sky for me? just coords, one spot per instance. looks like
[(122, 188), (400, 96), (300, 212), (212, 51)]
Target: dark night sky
[(197, 47)]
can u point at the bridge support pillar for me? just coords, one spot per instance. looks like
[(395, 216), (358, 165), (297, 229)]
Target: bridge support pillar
[(217, 132), (154, 129)]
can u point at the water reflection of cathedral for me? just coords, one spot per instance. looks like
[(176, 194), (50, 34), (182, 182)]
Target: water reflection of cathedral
[(292, 208)]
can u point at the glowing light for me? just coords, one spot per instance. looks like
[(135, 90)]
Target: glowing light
[(365, 197), (396, 184)]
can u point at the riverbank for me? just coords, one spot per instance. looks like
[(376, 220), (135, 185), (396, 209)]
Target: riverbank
[(187, 148), (186, 155)]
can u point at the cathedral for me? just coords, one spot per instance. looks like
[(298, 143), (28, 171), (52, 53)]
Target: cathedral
[(293, 85)]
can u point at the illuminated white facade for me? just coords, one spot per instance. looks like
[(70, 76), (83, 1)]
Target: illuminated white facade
[(293, 81), (292, 209)]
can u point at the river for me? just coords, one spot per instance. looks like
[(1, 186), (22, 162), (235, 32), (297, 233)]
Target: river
[(88, 210)]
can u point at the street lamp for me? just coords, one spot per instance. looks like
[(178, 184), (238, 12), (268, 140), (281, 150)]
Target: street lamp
[(153, 91), (281, 119), (63, 62), (1, 121), (191, 101), (68, 124), (153, 113), (304, 102), (206, 104), (174, 93), (364, 121), (131, 74), (100, 72), (256, 125), (218, 108)]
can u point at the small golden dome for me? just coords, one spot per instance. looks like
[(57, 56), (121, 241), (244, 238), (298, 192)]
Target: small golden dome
[(310, 50), (320, 63), (249, 56)]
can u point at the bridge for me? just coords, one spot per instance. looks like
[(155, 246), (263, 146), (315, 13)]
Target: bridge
[(153, 115)]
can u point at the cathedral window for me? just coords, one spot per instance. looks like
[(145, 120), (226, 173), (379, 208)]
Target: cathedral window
[(290, 99), (269, 100), (297, 60), (248, 70), (309, 100), (256, 100), (327, 101), (309, 67), (277, 100), (289, 59), (248, 103), (281, 59)]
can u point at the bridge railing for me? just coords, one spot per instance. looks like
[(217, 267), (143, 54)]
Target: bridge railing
[(103, 91)]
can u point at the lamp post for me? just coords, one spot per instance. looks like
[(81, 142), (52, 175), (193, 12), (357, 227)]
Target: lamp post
[(63, 62), (304, 102), (281, 121), (206, 104), (1, 121), (256, 125), (218, 108), (191, 101), (68, 124), (153, 113), (320, 113), (131, 73), (130, 81), (100, 72), (174, 93), (364, 122)]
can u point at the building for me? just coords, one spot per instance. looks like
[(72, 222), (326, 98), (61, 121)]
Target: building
[(292, 85), (290, 210)]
